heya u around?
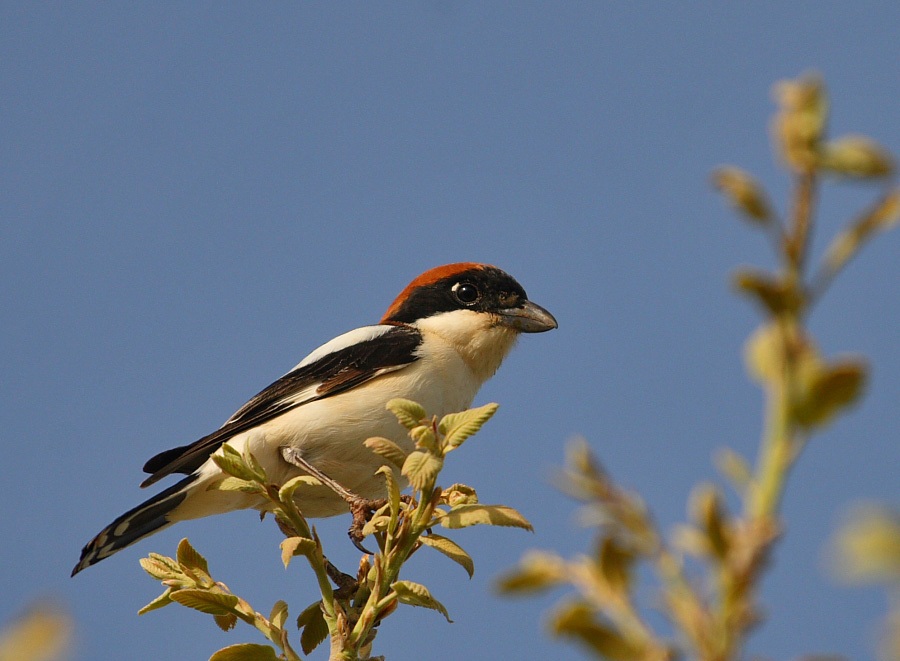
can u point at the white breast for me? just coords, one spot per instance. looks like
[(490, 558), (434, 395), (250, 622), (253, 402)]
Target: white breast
[(330, 433)]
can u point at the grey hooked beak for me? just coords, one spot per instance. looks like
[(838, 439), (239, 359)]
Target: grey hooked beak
[(529, 318)]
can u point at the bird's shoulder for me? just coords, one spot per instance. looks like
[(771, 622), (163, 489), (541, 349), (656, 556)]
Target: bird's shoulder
[(348, 359)]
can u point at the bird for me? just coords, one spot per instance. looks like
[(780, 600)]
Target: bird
[(443, 336)]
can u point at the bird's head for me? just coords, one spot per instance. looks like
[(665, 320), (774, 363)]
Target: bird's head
[(478, 308)]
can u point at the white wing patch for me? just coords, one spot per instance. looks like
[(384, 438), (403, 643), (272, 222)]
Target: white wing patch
[(356, 336)]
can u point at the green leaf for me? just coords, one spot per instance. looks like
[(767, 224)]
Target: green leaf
[(538, 571), (830, 390), (459, 494), (387, 449), (235, 484), (463, 516), (226, 622), (231, 462), (615, 562), (293, 546), (424, 438), (162, 600), (708, 512), (868, 546), (885, 213), (279, 614), (286, 492), (856, 156), (393, 489), (245, 652), (800, 123), (882, 216), (161, 571), (690, 540), (457, 427), (409, 413), (313, 625), (189, 557), (376, 523), (744, 193), (184, 583), (577, 620), (214, 603), (416, 594), (165, 561), (735, 468), (451, 549), (258, 471), (776, 296), (764, 354), (421, 468), (583, 469)]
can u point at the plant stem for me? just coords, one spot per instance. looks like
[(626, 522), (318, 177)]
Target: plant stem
[(401, 539), (316, 560), (796, 246), (775, 456), (777, 450)]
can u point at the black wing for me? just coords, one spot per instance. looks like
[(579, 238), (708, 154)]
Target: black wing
[(337, 371)]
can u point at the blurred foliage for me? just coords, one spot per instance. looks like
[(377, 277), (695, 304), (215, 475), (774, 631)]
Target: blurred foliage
[(868, 546), (866, 549), (714, 607), (348, 614), (44, 633)]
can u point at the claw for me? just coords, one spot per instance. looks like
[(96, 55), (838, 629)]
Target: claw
[(360, 508), (357, 542)]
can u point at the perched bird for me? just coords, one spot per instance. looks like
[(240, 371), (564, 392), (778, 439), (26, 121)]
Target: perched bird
[(439, 341)]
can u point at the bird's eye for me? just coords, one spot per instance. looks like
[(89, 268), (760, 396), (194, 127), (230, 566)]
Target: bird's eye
[(466, 293)]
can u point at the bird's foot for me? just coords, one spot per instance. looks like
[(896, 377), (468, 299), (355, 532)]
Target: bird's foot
[(361, 508)]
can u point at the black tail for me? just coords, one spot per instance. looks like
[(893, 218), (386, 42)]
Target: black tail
[(146, 518)]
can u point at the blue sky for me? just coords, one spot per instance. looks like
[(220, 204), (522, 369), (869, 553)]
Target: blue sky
[(194, 196)]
